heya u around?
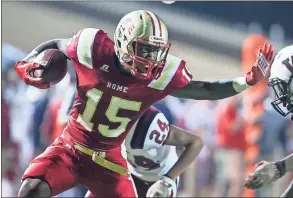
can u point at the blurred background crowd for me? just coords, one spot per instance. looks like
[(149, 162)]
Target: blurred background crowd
[(217, 40)]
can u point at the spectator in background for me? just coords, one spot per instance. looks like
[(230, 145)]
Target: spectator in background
[(39, 100), (14, 93), (230, 152), (272, 142), (198, 117), (10, 155), (68, 99), (172, 107), (57, 113), (12, 86), (48, 113), (50, 127), (5, 122), (274, 133)]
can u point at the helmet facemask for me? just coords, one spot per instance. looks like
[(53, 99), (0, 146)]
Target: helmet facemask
[(146, 59), (141, 44), (283, 103)]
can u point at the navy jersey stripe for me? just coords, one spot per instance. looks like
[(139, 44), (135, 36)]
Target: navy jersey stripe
[(142, 127)]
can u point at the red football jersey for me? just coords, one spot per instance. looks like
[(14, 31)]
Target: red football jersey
[(109, 101)]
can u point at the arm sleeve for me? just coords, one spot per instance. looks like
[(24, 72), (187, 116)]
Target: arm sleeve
[(84, 46)]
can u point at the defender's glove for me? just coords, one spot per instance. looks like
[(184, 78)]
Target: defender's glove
[(265, 172), (162, 188), (262, 66), (30, 70)]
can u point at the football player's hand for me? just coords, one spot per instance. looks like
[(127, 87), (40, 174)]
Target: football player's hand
[(261, 69), (30, 70), (264, 173), (162, 188)]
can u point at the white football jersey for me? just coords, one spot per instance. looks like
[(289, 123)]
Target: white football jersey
[(147, 156)]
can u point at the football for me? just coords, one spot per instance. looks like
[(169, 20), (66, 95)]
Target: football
[(55, 65)]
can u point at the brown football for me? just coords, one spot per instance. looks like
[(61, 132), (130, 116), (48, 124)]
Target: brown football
[(55, 65)]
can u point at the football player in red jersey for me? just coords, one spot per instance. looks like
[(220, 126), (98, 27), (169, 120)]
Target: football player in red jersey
[(116, 82)]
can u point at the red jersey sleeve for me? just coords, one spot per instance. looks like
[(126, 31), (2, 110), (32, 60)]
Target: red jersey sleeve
[(85, 46), (182, 76), (174, 75)]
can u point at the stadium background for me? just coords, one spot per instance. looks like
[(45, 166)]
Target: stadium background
[(208, 35)]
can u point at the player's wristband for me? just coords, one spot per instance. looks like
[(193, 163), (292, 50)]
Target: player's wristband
[(281, 166), (168, 181), (240, 84)]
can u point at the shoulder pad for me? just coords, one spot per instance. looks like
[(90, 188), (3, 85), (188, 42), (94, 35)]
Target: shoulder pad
[(175, 73)]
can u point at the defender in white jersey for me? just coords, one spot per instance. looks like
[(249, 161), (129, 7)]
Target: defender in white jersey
[(152, 157), (281, 81)]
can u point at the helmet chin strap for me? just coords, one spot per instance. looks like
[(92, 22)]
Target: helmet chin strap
[(122, 67), (126, 69)]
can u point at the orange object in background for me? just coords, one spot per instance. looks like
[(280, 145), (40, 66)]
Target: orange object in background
[(250, 49), (253, 104)]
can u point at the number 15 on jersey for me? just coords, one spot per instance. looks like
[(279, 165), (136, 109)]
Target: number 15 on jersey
[(94, 95)]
